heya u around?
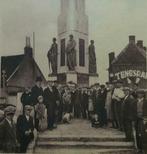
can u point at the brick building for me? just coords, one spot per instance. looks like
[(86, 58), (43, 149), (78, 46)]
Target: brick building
[(130, 65)]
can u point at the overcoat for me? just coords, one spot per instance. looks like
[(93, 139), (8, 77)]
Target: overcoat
[(8, 137)]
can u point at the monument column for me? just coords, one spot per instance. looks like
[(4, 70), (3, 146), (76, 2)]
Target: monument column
[(73, 20)]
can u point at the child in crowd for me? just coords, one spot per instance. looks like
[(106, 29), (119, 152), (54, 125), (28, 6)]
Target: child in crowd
[(40, 119), (67, 118), (95, 121)]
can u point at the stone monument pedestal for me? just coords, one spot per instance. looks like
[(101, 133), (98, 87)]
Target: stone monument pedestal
[(93, 78), (71, 76), (52, 77)]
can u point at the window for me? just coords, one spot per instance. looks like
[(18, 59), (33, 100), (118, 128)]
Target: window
[(63, 52), (81, 52)]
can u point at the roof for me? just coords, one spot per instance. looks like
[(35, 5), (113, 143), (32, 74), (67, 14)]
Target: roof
[(25, 73), (130, 54), (10, 63)]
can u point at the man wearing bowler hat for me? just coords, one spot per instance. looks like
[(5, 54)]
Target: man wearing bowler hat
[(8, 131), (50, 102), (37, 90), (25, 128)]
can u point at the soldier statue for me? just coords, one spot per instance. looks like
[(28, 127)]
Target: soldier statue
[(92, 58), (52, 56), (71, 53)]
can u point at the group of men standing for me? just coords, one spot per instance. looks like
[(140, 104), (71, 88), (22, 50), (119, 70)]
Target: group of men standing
[(129, 113), (125, 109)]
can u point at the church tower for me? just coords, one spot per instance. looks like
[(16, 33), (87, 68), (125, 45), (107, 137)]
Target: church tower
[(73, 20)]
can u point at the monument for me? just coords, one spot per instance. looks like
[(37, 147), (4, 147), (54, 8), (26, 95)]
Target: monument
[(73, 53)]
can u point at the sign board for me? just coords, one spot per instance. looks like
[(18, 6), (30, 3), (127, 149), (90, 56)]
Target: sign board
[(130, 73)]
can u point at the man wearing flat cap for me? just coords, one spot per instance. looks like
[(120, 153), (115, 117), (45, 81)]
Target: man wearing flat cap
[(8, 131), (25, 128)]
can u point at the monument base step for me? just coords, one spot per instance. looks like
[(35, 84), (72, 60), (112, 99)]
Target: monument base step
[(79, 137), (84, 151), (86, 145)]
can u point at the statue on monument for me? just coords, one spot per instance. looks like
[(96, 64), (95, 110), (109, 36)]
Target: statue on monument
[(71, 53), (92, 58), (52, 56)]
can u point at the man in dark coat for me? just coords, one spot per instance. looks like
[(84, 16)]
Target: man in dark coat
[(128, 114), (50, 102), (8, 132), (25, 128), (36, 90), (141, 107), (100, 106), (60, 105), (84, 103), (77, 103), (58, 102), (26, 98)]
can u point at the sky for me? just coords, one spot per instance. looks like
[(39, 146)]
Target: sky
[(110, 24)]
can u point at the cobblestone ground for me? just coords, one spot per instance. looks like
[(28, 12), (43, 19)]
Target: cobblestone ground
[(80, 129)]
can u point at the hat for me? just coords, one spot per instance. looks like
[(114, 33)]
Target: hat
[(9, 110), (38, 79), (28, 107)]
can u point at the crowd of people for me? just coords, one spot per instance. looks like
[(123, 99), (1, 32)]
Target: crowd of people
[(109, 105)]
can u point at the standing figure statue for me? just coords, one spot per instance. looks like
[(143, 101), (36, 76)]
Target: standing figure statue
[(92, 58), (71, 53), (52, 56)]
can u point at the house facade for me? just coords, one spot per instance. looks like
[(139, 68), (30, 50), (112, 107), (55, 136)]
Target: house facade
[(130, 65)]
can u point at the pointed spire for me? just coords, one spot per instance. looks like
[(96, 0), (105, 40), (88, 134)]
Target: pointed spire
[(28, 49), (28, 43)]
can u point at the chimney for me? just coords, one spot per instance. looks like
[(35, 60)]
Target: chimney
[(111, 57), (28, 51), (132, 39), (140, 44)]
